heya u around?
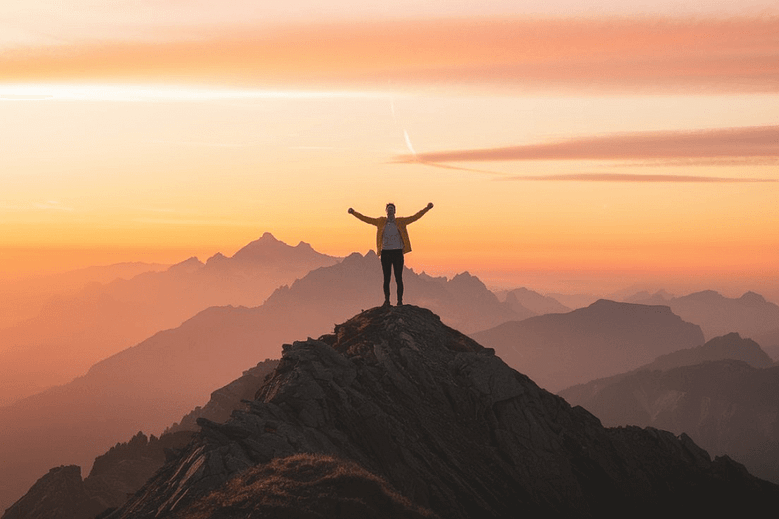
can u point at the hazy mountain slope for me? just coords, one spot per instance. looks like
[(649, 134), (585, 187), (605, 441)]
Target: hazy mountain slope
[(726, 406), (24, 298), (356, 283), (154, 383), (559, 350), (534, 302), (444, 422), (119, 472), (750, 315), (769, 341), (727, 347), (73, 332), (730, 346), (125, 467)]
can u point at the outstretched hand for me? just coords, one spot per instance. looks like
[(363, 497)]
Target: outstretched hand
[(351, 211), (430, 205)]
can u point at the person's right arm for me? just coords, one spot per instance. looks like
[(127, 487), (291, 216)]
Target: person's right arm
[(366, 219)]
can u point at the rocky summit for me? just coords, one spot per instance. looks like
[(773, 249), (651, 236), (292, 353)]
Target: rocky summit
[(397, 415)]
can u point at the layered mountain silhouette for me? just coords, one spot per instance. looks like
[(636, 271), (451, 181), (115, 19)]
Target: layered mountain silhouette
[(394, 414), (725, 395), (125, 467), (24, 298), (154, 383), (529, 303), (607, 337), (749, 315), (119, 472), (769, 341), (74, 331)]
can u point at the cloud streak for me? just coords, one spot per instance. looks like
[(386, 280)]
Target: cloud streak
[(626, 177), (745, 142), (640, 54)]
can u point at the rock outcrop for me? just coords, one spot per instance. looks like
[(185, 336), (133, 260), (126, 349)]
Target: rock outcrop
[(396, 402), (63, 494), (60, 494)]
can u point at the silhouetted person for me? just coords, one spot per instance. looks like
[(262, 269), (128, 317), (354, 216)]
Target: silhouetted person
[(391, 244)]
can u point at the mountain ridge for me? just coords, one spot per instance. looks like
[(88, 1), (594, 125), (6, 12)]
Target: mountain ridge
[(104, 318), (448, 425)]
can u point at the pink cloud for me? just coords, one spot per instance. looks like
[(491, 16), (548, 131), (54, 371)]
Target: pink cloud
[(758, 141), (622, 177), (641, 54)]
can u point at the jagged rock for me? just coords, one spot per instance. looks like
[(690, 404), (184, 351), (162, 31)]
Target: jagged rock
[(114, 476), (60, 494), (227, 398), (449, 426)]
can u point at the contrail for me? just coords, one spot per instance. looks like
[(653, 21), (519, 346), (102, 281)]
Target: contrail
[(408, 144), (415, 159)]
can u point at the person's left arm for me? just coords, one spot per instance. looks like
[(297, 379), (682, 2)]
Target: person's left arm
[(420, 214)]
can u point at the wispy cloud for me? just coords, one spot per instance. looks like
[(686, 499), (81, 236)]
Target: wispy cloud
[(639, 54), (745, 142), (622, 177)]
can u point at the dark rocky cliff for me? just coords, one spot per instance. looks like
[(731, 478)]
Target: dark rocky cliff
[(396, 415)]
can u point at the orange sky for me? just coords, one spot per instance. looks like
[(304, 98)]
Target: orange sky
[(561, 148)]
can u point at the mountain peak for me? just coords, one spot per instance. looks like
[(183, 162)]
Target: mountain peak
[(187, 266), (443, 422), (753, 298), (404, 326)]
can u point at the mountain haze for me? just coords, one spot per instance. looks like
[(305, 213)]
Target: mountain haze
[(727, 347), (125, 467), (73, 332), (726, 406), (534, 302), (559, 350), (749, 315)]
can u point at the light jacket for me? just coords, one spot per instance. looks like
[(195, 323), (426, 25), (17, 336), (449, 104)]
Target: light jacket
[(400, 221)]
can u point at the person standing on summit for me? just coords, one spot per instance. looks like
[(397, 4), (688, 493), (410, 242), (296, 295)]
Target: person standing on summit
[(391, 244)]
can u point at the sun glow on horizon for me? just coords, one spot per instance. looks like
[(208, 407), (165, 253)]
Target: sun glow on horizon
[(202, 134)]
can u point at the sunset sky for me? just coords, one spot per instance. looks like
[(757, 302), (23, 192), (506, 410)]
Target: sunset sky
[(566, 147)]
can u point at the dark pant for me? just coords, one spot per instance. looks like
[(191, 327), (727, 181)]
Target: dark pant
[(392, 260)]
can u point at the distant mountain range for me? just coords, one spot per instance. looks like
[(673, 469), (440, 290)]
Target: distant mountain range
[(530, 303), (559, 350), (75, 330), (150, 385), (749, 315), (25, 298), (724, 394)]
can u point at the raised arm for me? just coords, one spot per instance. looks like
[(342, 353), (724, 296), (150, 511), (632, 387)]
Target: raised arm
[(366, 219), (420, 214)]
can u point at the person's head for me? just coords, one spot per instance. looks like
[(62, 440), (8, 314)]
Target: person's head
[(390, 209)]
